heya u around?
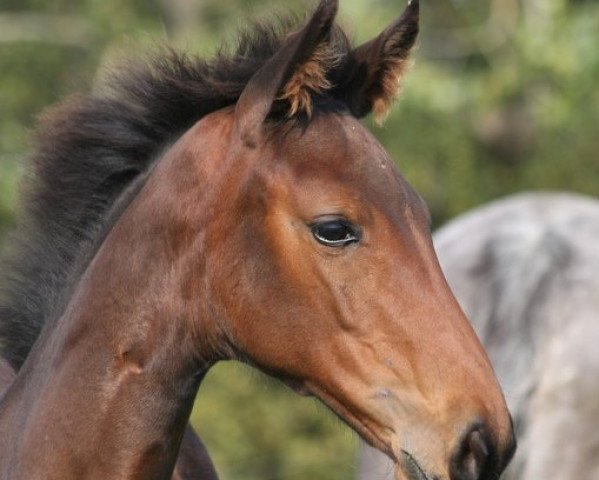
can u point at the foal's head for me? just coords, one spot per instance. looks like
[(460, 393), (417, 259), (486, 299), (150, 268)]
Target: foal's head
[(317, 262)]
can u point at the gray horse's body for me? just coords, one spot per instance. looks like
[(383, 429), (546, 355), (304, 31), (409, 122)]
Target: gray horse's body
[(526, 272)]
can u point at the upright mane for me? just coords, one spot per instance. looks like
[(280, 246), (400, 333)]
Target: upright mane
[(92, 147)]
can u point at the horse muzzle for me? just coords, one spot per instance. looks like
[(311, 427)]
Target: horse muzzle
[(476, 457)]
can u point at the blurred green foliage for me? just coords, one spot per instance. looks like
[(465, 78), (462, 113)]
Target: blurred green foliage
[(255, 428), (504, 97)]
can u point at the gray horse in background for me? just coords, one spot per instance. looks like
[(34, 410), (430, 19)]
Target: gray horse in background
[(526, 272)]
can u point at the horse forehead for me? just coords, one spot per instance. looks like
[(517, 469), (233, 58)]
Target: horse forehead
[(343, 135), (338, 147)]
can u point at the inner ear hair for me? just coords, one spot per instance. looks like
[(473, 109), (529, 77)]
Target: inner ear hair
[(298, 65), (395, 64), (378, 66), (310, 78)]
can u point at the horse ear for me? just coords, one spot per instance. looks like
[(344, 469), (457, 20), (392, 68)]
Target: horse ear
[(295, 71), (373, 77)]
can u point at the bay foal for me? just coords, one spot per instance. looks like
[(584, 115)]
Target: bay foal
[(194, 212)]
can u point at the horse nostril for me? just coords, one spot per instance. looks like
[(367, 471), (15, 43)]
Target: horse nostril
[(476, 454), (473, 457)]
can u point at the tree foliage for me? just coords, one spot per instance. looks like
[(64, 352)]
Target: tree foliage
[(503, 97)]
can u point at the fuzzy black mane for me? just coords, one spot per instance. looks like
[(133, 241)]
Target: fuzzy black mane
[(91, 147)]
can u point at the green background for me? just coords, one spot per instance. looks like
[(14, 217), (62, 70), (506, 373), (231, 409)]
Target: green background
[(503, 97)]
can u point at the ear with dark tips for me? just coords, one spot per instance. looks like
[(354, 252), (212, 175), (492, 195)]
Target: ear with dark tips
[(373, 76), (256, 100)]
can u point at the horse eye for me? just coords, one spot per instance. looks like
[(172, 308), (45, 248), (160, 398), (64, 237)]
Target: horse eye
[(335, 233)]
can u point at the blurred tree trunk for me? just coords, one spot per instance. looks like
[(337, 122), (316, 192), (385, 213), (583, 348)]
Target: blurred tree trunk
[(182, 18)]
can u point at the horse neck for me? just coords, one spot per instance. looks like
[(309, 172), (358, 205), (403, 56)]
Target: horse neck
[(107, 390)]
